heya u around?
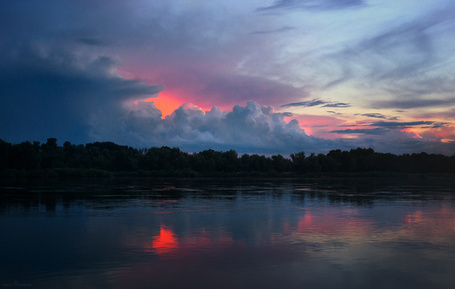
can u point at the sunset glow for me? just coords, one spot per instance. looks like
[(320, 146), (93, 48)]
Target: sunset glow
[(385, 85), (413, 133), (166, 102)]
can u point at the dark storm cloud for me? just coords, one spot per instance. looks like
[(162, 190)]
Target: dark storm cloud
[(92, 41), (51, 93), (313, 4)]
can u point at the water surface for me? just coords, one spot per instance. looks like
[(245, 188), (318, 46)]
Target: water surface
[(346, 233)]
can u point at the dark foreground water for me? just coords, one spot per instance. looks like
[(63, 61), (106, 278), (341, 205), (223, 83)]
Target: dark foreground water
[(357, 233)]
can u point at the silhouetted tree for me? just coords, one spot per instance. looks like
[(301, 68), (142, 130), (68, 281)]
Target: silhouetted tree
[(298, 161), (109, 156)]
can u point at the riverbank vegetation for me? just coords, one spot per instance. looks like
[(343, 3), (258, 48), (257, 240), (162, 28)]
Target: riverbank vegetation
[(105, 159)]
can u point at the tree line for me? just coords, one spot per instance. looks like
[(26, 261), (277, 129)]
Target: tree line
[(110, 157)]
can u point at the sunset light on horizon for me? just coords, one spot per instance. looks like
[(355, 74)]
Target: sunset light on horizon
[(259, 77)]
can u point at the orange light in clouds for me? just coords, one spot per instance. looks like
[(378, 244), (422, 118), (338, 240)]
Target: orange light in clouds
[(413, 133), (166, 102)]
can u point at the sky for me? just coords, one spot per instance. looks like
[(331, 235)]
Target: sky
[(268, 77)]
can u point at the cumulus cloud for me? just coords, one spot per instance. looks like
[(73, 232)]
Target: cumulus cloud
[(258, 129), (250, 128)]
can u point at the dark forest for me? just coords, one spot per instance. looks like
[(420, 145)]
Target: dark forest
[(102, 159)]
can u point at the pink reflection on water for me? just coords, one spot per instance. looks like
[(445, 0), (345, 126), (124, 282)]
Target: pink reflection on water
[(434, 225), (165, 242), (414, 217), (333, 222)]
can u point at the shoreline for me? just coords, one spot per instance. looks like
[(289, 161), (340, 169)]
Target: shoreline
[(69, 173)]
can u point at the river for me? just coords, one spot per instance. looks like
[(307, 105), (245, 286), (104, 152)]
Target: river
[(212, 233)]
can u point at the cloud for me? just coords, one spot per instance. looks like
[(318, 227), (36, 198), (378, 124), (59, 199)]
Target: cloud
[(398, 51), (279, 30), (228, 89), (316, 102), (374, 131), (250, 128), (47, 92), (406, 60), (337, 104), (414, 103), (447, 115), (59, 72), (395, 124), (377, 115), (373, 115), (309, 103), (54, 93), (92, 41), (439, 124), (313, 4), (396, 141)]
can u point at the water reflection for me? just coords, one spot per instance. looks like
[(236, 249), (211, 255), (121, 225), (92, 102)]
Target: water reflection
[(217, 234), (166, 242)]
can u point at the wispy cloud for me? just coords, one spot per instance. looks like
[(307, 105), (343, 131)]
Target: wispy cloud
[(402, 61), (373, 115), (414, 103), (313, 4), (374, 131), (317, 102), (396, 124), (278, 30), (309, 103), (337, 104)]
